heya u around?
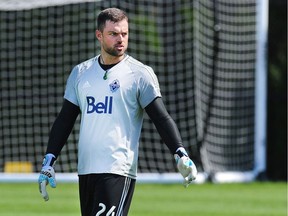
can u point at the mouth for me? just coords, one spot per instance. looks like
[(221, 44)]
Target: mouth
[(119, 47)]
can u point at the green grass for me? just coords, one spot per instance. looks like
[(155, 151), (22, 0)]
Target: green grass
[(253, 199)]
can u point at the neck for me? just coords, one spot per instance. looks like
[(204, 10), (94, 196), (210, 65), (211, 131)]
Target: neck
[(108, 60)]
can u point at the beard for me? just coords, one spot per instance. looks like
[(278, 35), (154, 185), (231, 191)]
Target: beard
[(114, 52)]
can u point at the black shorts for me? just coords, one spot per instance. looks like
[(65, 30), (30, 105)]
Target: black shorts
[(105, 194)]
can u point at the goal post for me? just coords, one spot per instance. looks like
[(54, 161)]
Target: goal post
[(209, 57), (261, 87)]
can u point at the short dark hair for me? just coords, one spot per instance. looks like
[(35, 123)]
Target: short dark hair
[(110, 14)]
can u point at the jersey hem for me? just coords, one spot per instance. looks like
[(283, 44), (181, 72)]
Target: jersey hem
[(116, 173)]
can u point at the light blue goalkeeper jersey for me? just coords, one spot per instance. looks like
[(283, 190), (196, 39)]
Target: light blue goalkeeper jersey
[(111, 113)]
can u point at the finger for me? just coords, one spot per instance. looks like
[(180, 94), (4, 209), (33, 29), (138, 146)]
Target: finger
[(186, 182), (52, 182), (43, 190)]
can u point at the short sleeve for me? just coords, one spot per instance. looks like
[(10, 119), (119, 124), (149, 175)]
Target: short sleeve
[(148, 87), (70, 91)]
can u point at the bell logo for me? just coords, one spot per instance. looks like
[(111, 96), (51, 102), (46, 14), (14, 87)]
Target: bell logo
[(99, 107)]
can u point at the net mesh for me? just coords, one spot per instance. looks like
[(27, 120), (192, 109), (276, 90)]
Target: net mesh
[(203, 53), (225, 51)]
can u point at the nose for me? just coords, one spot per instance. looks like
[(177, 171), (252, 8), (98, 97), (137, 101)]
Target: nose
[(120, 38)]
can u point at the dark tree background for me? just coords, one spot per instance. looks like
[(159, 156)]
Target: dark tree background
[(277, 91)]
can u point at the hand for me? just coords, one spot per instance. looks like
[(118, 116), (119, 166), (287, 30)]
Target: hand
[(47, 175), (185, 166)]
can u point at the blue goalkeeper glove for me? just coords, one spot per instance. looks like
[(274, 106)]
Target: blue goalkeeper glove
[(47, 175), (185, 166)]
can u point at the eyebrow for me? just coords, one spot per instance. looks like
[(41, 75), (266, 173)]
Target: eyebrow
[(117, 32)]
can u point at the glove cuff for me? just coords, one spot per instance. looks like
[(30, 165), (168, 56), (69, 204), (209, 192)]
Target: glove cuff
[(181, 152), (49, 160)]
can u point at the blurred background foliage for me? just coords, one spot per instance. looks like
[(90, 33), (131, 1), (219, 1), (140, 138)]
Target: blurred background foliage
[(277, 91)]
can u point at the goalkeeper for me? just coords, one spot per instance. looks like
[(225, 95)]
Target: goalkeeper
[(111, 92)]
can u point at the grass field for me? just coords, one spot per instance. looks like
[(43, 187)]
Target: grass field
[(253, 199)]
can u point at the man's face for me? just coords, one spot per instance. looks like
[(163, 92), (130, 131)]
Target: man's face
[(114, 38)]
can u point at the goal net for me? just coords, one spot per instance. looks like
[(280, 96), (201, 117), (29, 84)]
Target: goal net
[(205, 54)]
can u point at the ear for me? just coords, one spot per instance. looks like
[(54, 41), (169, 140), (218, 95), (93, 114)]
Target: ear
[(98, 35)]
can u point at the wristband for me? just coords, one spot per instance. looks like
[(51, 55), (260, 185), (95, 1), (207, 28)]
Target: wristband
[(181, 152), (49, 160)]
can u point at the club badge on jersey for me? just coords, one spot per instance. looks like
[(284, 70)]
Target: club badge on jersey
[(114, 86)]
